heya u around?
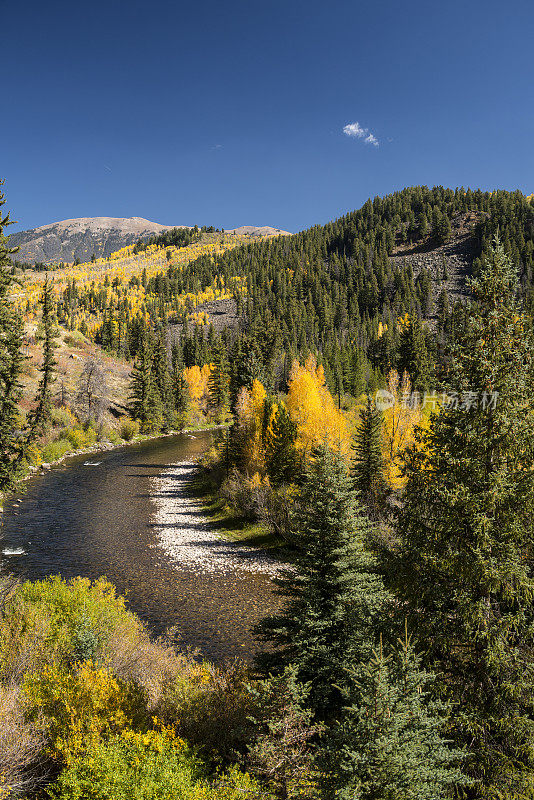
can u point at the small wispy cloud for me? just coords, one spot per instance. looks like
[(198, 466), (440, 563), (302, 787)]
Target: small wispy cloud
[(355, 130)]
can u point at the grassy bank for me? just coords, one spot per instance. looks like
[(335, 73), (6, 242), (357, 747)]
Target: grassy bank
[(227, 522)]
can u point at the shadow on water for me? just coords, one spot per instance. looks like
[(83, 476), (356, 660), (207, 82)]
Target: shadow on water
[(93, 520)]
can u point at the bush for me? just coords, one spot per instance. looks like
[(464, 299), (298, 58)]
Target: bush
[(146, 766), (74, 339), (79, 706), (275, 510), (44, 622), (63, 417), (80, 437), (129, 429), (210, 708), (246, 495), (112, 435), (20, 747), (53, 451)]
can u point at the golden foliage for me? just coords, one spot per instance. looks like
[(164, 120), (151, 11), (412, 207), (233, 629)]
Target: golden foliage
[(313, 408), (80, 706), (401, 417)]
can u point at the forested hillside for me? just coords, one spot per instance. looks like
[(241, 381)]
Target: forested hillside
[(373, 380)]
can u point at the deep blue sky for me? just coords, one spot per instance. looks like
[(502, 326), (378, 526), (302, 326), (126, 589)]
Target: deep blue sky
[(231, 112)]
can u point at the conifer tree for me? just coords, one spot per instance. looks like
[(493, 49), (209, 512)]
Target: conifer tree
[(332, 595), (162, 379), (41, 413), (145, 404), (218, 382), (368, 468), (413, 355), (389, 740), (281, 457), (465, 568), (180, 389), (11, 360)]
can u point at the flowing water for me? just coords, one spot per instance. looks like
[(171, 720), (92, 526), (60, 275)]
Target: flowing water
[(93, 516)]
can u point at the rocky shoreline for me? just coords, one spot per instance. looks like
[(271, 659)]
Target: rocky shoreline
[(185, 535)]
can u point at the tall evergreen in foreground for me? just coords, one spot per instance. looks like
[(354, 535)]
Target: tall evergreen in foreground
[(332, 595), (465, 568), (388, 743), (368, 469), (11, 359)]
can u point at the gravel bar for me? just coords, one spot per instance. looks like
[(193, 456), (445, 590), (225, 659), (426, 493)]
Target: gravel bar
[(186, 536)]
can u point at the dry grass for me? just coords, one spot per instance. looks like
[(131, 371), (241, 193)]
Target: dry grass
[(22, 767)]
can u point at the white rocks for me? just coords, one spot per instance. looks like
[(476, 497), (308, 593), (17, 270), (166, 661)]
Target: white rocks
[(185, 534)]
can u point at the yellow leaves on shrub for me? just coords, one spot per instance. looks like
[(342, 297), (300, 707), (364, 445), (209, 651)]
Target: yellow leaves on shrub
[(80, 706), (313, 409)]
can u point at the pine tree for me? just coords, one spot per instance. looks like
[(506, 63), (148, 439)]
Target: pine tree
[(145, 404), (162, 379), (333, 593), (41, 413), (467, 538), (389, 741), (180, 389), (219, 382), (413, 355), (281, 457), (368, 468), (11, 360), (281, 751)]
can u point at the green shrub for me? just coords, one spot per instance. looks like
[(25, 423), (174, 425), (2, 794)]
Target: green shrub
[(146, 766), (46, 622), (52, 451), (129, 429), (74, 339), (62, 417), (210, 708), (80, 437), (111, 435)]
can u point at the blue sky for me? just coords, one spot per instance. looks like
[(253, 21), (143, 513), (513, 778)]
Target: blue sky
[(232, 112)]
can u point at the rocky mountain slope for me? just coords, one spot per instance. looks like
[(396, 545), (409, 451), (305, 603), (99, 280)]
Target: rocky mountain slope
[(79, 238)]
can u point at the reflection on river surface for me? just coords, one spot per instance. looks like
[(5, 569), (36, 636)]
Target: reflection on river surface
[(94, 516)]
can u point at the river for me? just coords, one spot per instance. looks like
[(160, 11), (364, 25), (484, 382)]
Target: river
[(94, 516)]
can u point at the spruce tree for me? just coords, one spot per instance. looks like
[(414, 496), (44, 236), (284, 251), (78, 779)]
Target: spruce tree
[(219, 382), (465, 565), (389, 740), (11, 360), (368, 466), (413, 355), (332, 594), (41, 413), (145, 404), (162, 379), (180, 389), (281, 457)]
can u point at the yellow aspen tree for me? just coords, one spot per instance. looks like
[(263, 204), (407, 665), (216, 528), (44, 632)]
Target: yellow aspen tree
[(312, 407), (402, 414)]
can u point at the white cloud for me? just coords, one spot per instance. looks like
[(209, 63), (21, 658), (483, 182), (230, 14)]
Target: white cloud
[(355, 129)]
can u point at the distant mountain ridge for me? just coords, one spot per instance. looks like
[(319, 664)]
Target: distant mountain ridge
[(79, 238)]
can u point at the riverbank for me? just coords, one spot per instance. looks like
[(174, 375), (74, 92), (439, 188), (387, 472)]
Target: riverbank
[(190, 536), (98, 447)]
